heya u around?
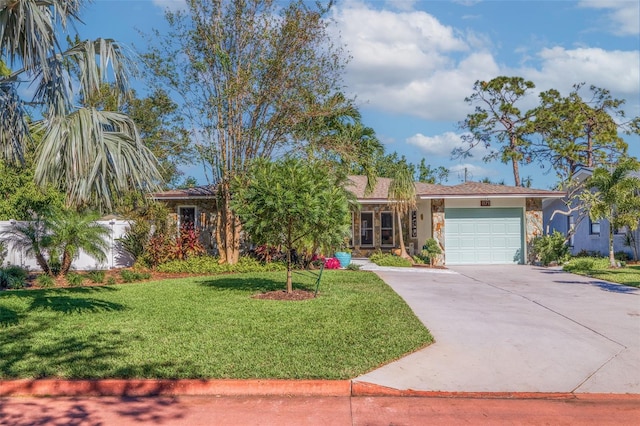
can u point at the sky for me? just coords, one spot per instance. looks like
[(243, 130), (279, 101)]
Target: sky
[(413, 62)]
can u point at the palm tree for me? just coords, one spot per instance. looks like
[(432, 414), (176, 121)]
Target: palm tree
[(56, 239), (615, 198), (402, 199), (94, 156)]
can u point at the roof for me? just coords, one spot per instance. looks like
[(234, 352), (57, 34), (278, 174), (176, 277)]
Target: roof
[(197, 192), (358, 185), (466, 189)]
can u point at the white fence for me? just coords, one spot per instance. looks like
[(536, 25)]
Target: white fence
[(117, 257)]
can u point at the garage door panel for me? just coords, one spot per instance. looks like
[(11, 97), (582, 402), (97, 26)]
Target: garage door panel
[(483, 236)]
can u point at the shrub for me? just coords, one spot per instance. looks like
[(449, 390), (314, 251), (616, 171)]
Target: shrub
[(13, 277), (111, 281), (96, 276), (74, 279), (211, 265), (622, 256), (586, 264), (420, 260), (387, 259), (353, 267), (430, 250), (551, 248), (331, 263), (45, 281), (129, 276)]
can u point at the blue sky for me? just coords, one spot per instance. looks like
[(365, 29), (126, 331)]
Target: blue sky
[(413, 62)]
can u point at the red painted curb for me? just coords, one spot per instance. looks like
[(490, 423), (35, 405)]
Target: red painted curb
[(150, 387)]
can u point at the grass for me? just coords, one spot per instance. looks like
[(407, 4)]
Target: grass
[(599, 268), (207, 327)]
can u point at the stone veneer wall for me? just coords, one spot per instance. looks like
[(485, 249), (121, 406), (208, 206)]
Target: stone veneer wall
[(533, 225), (437, 225)]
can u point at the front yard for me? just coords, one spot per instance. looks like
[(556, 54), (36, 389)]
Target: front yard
[(599, 268), (207, 327)]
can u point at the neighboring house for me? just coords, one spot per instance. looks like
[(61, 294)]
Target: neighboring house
[(588, 236), (474, 223)]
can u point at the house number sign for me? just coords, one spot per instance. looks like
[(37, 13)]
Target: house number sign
[(414, 224), (485, 203)]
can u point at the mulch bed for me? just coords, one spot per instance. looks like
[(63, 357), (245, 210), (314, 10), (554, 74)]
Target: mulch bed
[(283, 295)]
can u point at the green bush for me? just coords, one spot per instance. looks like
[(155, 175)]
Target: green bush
[(388, 259), (74, 279), (551, 248), (111, 281), (13, 277), (45, 281), (353, 267), (585, 264), (129, 276), (430, 250), (622, 256), (96, 276), (211, 265)]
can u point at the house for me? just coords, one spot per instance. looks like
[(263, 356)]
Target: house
[(474, 223), (588, 236)]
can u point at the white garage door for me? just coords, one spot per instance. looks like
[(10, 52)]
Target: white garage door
[(483, 236)]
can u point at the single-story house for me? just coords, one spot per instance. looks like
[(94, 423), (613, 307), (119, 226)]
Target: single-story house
[(474, 223), (588, 236)]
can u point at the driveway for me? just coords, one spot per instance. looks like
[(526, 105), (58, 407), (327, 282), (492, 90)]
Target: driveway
[(517, 328)]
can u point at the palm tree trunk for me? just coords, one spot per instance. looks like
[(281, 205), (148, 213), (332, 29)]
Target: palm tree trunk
[(612, 258), (403, 250)]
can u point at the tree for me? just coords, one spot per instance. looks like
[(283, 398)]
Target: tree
[(93, 156), (576, 133), (160, 126), (284, 202), (427, 174), (56, 238), (249, 74), (615, 198), (402, 199), (498, 121)]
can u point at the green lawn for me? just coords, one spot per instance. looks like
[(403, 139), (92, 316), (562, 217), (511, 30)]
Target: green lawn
[(599, 268), (207, 327)]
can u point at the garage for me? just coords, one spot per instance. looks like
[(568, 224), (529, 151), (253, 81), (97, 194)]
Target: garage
[(483, 235)]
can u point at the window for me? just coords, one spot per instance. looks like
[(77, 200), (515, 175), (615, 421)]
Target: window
[(594, 227), (386, 229), (366, 228), (186, 216)]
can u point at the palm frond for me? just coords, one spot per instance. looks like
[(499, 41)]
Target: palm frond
[(14, 131), (97, 156)]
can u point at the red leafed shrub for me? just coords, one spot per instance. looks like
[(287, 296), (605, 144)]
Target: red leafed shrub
[(331, 263), (157, 250), (186, 244)]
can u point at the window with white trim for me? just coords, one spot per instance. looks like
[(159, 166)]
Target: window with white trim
[(386, 229), (366, 228)]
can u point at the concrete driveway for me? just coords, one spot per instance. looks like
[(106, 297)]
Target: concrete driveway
[(517, 329)]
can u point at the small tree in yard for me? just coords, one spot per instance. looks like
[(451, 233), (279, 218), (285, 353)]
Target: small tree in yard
[(615, 198), (284, 202), (56, 239), (402, 199)]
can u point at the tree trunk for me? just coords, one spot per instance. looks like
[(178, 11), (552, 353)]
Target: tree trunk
[(516, 171), (289, 280), (228, 228), (403, 250), (612, 258), (65, 266)]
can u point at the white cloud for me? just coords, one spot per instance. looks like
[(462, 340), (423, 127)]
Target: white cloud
[(616, 70), (442, 145), (172, 5), (623, 16)]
